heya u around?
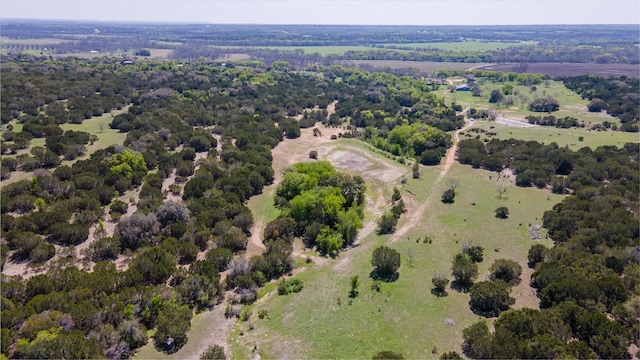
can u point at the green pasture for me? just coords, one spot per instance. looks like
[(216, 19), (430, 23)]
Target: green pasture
[(323, 322), (548, 134), (571, 104), (457, 46)]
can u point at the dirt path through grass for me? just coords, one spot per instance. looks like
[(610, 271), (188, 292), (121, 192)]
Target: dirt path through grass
[(417, 214)]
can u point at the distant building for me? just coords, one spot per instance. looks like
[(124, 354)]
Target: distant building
[(464, 87), (127, 62)]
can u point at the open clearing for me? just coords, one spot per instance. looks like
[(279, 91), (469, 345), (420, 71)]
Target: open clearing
[(549, 134), (106, 138), (404, 316)]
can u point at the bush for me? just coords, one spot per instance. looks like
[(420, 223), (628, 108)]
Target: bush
[(386, 262), (214, 352), (105, 249), (387, 355), (387, 224), (464, 271), (68, 234), (137, 230), (506, 270), (490, 298), (171, 212), (502, 212), (448, 196), (474, 252), (536, 254), (41, 253), (440, 284)]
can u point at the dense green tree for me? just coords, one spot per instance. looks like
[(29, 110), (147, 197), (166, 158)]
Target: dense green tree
[(173, 323), (477, 341), (154, 265)]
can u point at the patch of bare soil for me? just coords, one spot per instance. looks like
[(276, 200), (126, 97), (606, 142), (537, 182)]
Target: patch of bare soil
[(524, 294)]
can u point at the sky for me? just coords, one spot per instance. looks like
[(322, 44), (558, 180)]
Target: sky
[(353, 12)]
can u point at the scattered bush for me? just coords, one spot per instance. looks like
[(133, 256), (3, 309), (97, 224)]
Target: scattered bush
[(448, 196), (502, 212), (386, 263)]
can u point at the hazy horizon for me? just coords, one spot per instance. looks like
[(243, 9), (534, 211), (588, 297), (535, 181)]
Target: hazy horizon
[(331, 12)]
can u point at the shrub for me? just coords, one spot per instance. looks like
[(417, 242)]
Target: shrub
[(448, 196), (474, 252), (41, 253), (386, 262), (506, 270), (536, 254), (502, 212), (439, 284), (387, 355), (387, 224), (137, 230), (490, 298), (464, 271), (544, 104), (214, 352), (68, 234)]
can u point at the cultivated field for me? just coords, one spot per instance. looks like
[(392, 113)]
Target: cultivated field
[(458, 46), (427, 66), (322, 50), (574, 69)]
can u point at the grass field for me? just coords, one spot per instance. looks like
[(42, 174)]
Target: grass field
[(458, 46), (323, 322), (563, 137), (571, 104)]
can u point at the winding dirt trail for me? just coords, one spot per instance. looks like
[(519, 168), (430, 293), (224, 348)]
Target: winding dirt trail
[(417, 213)]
